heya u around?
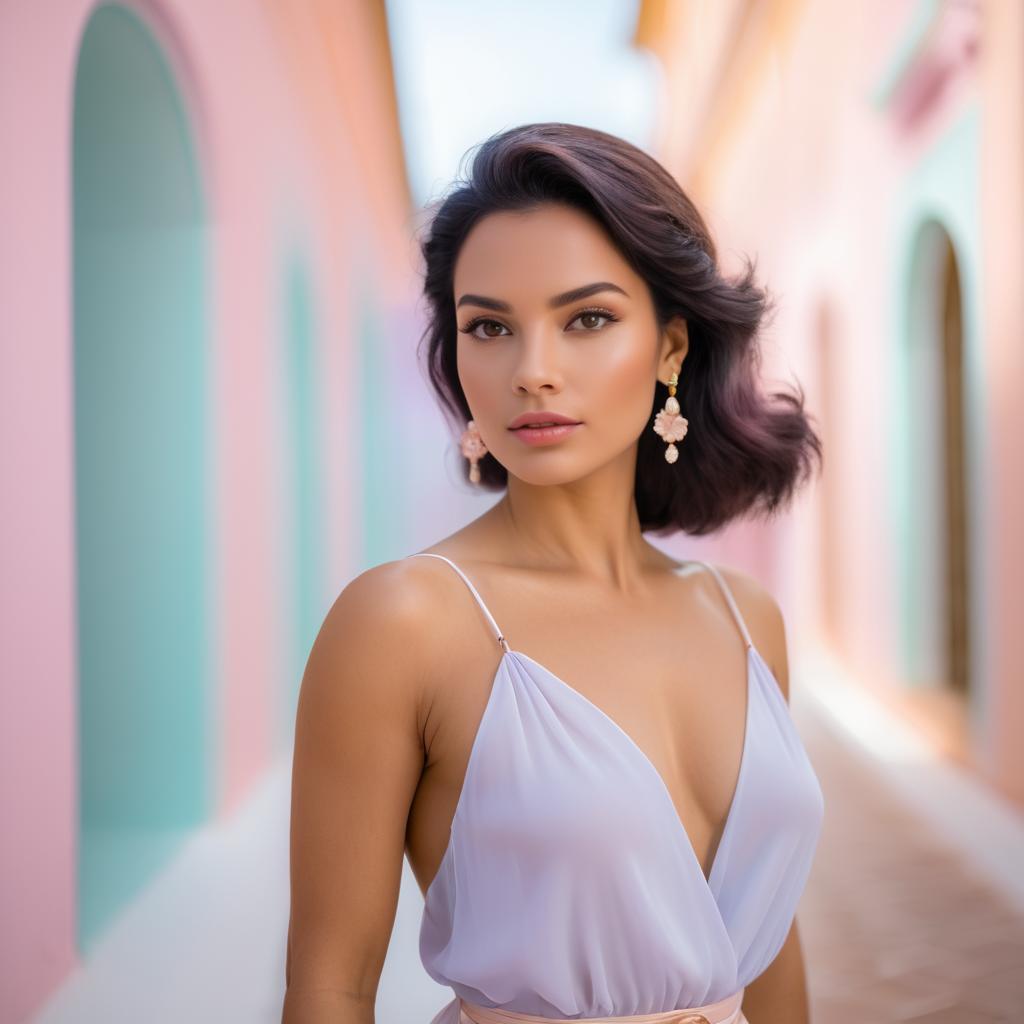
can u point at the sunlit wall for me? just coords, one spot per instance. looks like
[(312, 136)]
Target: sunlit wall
[(207, 277), (870, 156)]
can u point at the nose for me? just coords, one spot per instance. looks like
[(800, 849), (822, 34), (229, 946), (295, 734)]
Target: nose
[(539, 365)]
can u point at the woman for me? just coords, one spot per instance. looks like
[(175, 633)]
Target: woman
[(620, 822)]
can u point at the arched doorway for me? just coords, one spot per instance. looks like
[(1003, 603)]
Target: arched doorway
[(935, 529), (141, 474)]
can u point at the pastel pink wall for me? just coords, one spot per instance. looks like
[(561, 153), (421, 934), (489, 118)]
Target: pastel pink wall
[(1002, 86), (286, 140), (37, 627), (810, 133)]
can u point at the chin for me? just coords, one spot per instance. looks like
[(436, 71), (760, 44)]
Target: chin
[(565, 472)]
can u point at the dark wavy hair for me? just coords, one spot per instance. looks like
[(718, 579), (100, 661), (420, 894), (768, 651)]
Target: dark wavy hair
[(745, 452)]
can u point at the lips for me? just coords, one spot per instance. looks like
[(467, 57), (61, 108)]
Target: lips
[(537, 436), (538, 419), (542, 423)]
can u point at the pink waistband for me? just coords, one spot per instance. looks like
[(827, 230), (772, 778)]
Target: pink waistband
[(725, 1011)]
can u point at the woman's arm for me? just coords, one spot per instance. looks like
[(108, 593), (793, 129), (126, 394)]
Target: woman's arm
[(779, 994), (357, 763)]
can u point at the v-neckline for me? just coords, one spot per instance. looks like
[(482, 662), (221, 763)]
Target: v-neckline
[(711, 882), (684, 835)]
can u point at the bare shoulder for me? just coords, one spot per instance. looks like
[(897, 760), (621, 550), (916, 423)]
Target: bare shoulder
[(358, 759), (764, 619), (386, 620), (387, 598)]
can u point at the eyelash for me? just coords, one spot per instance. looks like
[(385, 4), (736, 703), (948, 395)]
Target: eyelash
[(607, 314)]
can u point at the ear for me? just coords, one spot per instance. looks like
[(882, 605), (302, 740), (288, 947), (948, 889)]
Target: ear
[(675, 343)]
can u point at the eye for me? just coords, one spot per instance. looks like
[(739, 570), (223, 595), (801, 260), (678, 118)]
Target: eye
[(471, 327), (592, 314)]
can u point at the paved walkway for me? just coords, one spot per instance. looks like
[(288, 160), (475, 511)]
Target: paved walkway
[(914, 909)]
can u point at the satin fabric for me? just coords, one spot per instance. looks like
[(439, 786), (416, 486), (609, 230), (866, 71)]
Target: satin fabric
[(725, 1011), (570, 890)]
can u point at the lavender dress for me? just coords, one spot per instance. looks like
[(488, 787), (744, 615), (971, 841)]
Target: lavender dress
[(569, 887)]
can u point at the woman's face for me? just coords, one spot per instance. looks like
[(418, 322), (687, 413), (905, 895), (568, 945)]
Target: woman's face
[(552, 319)]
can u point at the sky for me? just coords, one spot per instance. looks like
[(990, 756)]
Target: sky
[(466, 69)]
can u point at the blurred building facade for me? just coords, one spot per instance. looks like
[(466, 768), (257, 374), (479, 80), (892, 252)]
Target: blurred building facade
[(212, 416), (207, 272), (871, 155)]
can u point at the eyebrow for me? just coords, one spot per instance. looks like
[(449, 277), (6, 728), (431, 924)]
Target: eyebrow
[(573, 295)]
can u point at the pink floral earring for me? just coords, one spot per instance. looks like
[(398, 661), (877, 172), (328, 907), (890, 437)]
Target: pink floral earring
[(668, 424), (473, 447)]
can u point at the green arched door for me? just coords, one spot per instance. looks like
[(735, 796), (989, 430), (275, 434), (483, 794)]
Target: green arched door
[(141, 466)]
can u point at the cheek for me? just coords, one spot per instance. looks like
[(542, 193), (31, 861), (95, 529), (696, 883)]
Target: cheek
[(620, 387), (477, 378)]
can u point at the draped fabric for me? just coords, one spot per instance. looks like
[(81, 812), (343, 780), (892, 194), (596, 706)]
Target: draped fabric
[(569, 887)]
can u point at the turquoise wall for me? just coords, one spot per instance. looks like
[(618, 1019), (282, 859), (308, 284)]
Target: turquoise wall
[(379, 431), (306, 564), (142, 491)]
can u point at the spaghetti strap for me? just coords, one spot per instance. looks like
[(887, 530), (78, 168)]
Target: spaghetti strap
[(733, 607), (479, 600)]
